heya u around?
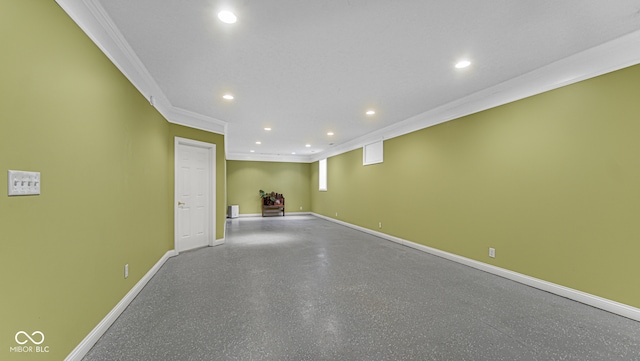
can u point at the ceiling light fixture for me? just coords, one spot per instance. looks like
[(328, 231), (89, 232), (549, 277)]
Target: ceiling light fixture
[(252, 151), (371, 112), (267, 129), (293, 152), (227, 17), (308, 145), (258, 142), (330, 133), (463, 64), (228, 97)]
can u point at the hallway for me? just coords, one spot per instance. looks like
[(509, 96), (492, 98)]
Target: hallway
[(302, 288)]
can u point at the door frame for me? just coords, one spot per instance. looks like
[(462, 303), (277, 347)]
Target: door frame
[(212, 188)]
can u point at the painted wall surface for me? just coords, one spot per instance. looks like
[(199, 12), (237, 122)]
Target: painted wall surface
[(552, 182), (221, 179), (106, 162), (246, 178)]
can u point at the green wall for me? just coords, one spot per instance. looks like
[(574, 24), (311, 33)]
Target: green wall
[(246, 178), (552, 182), (106, 162)]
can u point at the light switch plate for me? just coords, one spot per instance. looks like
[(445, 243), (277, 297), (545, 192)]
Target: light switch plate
[(23, 183)]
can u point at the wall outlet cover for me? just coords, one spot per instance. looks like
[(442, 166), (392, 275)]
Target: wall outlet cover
[(23, 183)]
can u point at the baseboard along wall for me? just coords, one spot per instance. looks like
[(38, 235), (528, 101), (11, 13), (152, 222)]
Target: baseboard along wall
[(602, 303), (87, 343), (579, 296)]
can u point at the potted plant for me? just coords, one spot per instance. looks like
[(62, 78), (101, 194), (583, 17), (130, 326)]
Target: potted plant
[(268, 198)]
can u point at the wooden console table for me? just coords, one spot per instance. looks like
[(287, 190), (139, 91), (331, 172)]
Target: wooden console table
[(273, 208)]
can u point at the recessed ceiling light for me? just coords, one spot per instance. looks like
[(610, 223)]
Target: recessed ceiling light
[(267, 129), (371, 112), (252, 151), (293, 152), (258, 142), (228, 97), (308, 145), (227, 17), (463, 64), (330, 133)]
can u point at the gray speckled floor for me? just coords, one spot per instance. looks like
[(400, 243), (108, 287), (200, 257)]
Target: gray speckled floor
[(302, 288)]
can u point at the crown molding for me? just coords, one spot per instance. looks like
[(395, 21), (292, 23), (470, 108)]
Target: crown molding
[(96, 23), (270, 158), (194, 120), (605, 58), (613, 55)]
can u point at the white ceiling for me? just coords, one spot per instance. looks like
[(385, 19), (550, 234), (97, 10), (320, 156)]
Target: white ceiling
[(307, 68)]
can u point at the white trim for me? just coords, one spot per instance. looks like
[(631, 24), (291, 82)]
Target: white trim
[(217, 242), (284, 158), (605, 58), (87, 343), (225, 228), (602, 59), (212, 176), (579, 296), (288, 214), (241, 215), (96, 23), (613, 55), (193, 120)]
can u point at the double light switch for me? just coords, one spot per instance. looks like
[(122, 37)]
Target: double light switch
[(23, 183)]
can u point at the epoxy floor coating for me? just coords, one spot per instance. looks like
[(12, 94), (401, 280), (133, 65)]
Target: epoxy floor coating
[(302, 288)]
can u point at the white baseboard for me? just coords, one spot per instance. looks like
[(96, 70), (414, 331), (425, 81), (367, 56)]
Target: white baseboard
[(243, 215), (579, 296), (217, 242), (224, 231), (83, 347), (602, 303), (291, 214)]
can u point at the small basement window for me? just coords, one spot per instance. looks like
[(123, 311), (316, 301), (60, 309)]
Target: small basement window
[(373, 153), (322, 172)]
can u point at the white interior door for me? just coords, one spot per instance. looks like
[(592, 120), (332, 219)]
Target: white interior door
[(195, 194)]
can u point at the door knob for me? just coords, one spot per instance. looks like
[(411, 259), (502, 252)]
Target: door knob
[(180, 203)]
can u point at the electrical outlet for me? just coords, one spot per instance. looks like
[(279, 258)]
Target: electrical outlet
[(336, 214), (300, 207), (126, 270), (492, 252), (379, 224)]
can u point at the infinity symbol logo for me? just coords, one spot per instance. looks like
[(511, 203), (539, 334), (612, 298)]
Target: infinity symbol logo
[(29, 337)]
